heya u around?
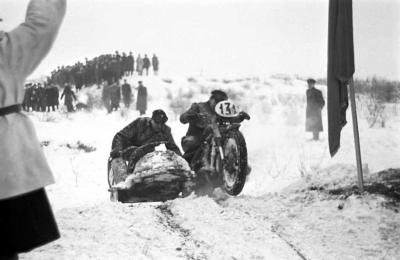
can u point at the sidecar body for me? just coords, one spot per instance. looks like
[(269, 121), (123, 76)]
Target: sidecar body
[(158, 176)]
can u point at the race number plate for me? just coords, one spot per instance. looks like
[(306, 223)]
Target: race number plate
[(227, 109)]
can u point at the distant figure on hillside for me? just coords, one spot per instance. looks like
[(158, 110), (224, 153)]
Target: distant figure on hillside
[(146, 64), (69, 95), (141, 102), (26, 104), (315, 103), (34, 98), (106, 96), (52, 94), (154, 62), (126, 94), (139, 65), (131, 63), (42, 99), (115, 96)]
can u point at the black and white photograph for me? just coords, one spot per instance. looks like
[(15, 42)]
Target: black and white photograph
[(199, 129)]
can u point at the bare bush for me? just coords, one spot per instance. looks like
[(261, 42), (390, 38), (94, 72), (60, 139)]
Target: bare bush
[(386, 91), (169, 81), (192, 80), (377, 93)]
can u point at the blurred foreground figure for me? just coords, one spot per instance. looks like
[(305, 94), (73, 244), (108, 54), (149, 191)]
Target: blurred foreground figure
[(26, 219), (315, 103)]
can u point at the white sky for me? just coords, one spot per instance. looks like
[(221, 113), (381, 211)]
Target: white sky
[(221, 37)]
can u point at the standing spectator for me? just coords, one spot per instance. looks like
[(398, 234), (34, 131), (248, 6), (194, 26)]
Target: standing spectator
[(141, 102), (146, 64), (52, 94), (139, 65), (126, 94), (35, 98), (315, 103), (69, 95), (26, 103), (154, 62), (131, 63), (78, 77), (115, 70), (115, 96), (42, 98), (26, 219), (106, 96), (118, 66)]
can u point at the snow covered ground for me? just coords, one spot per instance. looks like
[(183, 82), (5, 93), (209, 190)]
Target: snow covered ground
[(278, 215)]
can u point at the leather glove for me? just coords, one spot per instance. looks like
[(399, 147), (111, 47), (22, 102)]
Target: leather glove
[(115, 153), (244, 116)]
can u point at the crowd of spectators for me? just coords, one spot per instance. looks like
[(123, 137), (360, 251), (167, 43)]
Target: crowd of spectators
[(108, 67), (105, 70), (40, 97)]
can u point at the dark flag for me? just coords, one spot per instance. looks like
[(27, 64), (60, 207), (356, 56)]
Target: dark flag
[(340, 67)]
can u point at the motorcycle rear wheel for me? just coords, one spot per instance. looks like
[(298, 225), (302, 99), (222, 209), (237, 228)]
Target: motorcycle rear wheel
[(233, 169)]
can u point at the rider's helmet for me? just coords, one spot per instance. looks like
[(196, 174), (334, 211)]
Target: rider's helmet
[(218, 95), (159, 116)]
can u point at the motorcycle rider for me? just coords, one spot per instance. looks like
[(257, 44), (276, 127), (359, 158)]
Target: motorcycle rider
[(199, 116), (141, 137)]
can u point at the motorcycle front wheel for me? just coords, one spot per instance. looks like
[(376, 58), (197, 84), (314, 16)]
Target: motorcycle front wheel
[(233, 169)]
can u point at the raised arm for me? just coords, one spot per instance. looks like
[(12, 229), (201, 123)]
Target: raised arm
[(190, 115), (24, 47)]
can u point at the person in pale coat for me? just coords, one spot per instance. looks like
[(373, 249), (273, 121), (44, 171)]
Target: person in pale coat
[(139, 65), (26, 219)]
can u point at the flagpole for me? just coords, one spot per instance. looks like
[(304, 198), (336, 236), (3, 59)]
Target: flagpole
[(356, 136)]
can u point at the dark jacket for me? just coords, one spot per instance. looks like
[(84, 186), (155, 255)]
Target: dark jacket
[(146, 63), (141, 103), (126, 91), (155, 63), (140, 132), (315, 103), (196, 124), (69, 95), (115, 94), (52, 94)]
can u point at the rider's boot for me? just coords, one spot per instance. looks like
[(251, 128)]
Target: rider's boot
[(206, 168)]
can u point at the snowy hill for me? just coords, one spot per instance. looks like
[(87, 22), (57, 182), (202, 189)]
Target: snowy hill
[(277, 216)]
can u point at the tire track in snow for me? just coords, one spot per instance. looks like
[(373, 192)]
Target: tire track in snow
[(167, 219), (274, 228)]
